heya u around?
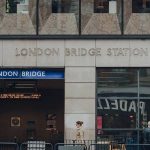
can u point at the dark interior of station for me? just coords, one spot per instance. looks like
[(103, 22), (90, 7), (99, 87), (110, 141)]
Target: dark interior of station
[(32, 110)]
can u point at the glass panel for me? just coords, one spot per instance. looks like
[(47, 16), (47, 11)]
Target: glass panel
[(17, 6), (117, 136), (117, 98), (59, 17), (61, 6), (101, 17), (144, 97), (141, 6), (18, 17), (136, 17), (101, 6)]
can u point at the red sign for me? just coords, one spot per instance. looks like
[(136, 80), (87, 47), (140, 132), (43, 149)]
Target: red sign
[(99, 122)]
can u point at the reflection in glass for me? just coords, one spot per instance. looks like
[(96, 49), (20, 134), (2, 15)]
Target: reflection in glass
[(117, 137), (105, 6), (101, 6), (136, 17), (123, 102), (17, 6), (59, 17), (145, 96), (18, 17), (101, 16), (141, 6), (61, 6), (117, 97)]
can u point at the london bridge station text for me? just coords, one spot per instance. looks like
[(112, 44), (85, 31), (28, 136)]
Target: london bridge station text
[(83, 52)]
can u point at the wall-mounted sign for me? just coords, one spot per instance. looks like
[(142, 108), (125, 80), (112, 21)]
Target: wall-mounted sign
[(120, 104), (30, 74), (15, 121), (109, 51)]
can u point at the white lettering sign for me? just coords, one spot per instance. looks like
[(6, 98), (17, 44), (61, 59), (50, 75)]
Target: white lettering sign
[(9, 73), (33, 73), (120, 104)]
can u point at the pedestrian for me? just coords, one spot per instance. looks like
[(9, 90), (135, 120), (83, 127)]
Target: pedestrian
[(79, 134)]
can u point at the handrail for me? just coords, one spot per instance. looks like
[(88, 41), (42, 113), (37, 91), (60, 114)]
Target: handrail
[(37, 144), (56, 146), (99, 146), (123, 146)]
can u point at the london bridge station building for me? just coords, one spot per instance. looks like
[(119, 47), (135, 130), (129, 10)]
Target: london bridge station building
[(79, 60)]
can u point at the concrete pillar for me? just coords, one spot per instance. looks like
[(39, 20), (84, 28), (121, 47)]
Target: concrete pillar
[(80, 101)]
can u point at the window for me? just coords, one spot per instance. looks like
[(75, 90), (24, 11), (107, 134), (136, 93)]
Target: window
[(141, 6), (101, 17), (17, 6), (123, 102), (117, 98), (62, 6), (59, 17), (101, 6), (144, 97), (136, 14), (18, 17), (105, 6)]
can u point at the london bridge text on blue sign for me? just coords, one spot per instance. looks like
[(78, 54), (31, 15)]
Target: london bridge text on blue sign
[(31, 74)]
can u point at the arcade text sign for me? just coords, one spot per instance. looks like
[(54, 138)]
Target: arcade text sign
[(120, 104)]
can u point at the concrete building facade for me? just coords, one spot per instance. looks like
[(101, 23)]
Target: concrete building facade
[(103, 47)]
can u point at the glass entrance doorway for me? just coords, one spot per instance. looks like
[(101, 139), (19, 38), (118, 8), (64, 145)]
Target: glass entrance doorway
[(123, 101), (32, 109)]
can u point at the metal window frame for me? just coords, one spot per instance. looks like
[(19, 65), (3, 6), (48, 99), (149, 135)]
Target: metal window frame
[(80, 36), (138, 129)]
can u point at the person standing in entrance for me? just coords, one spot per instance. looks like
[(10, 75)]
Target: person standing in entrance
[(79, 134), (147, 136)]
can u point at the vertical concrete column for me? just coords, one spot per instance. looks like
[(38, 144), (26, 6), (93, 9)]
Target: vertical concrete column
[(80, 101), (80, 87)]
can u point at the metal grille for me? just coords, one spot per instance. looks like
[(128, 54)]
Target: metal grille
[(8, 146), (36, 145), (62, 146)]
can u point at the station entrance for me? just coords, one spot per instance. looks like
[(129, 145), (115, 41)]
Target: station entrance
[(32, 106)]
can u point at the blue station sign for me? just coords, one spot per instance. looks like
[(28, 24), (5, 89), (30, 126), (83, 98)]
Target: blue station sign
[(30, 74)]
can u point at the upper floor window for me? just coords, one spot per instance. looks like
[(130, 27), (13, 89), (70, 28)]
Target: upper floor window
[(17, 6), (141, 6), (62, 6), (105, 6), (101, 6)]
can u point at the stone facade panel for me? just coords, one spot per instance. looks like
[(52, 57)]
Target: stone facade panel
[(18, 23), (79, 90), (140, 54), (102, 24), (74, 106), (80, 74), (51, 53), (113, 54), (60, 24), (19, 53), (79, 53)]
